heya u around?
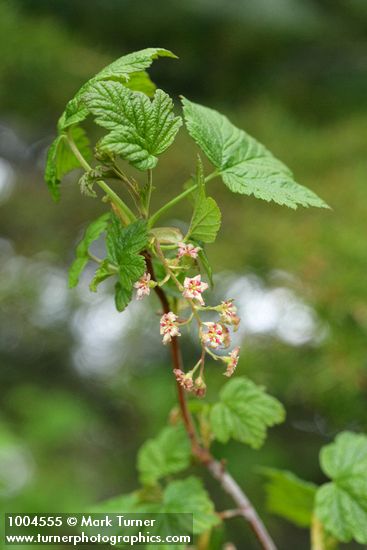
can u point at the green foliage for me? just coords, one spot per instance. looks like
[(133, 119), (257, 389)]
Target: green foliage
[(289, 497), (167, 454), (131, 63), (61, 160), (124, 245), (183, 496), (206, 265), (245, 165), (189, 495), (206, 218), (140, 129), (128, 69), (92, 233), (122, 296), (341, 505), (100, 275), (244, 412)]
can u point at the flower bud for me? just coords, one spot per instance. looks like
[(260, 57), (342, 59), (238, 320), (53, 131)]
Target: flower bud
[(199, 387)]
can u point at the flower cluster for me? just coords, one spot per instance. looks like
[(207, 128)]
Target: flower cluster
[(186, 380), (214, 335)]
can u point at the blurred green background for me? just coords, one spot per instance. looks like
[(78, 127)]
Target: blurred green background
[(83, 386)]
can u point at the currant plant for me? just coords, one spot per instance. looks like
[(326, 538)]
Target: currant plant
[(138, 125)]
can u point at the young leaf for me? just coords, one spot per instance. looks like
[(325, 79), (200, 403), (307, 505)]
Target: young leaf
[(289, 496), (121, 240), (101, 274), (61, 160), (206, 218), (244, 412), (92, 232), (167, 454), (341, 505), (129, 69), (140, 129), (245, 165), (123, 247)]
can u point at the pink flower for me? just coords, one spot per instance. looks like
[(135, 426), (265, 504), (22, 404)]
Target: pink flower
[(188, 249), (229, 314), (143, 286), (169, 327), (193, 288), (232, 361), (185, 380), (216, 336)]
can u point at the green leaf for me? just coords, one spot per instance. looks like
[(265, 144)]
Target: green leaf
[(128, 503), (246, 166), (206, 265), (167, 235), (61, 160), (122, 297), (92, 232), (132, 63), (244, 412), (167, 454), (140, 82), (129, 69), (289, 497), (123, 247), (101, 274), (139, 129), (206, 218), (341, 505), (132, 267), (121, 240), (188, 495)]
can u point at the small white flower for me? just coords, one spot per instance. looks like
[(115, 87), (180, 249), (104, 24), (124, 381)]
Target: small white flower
[(188, 249), (143, 286), (169, 327), (193, 288)]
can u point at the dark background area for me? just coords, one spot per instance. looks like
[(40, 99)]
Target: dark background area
[(83, 386)]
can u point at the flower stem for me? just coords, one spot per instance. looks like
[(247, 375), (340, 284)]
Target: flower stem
[(153, 219), (127, 214), (216, 468)]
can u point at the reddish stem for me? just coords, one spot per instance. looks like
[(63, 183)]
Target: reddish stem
[(216, 468)]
